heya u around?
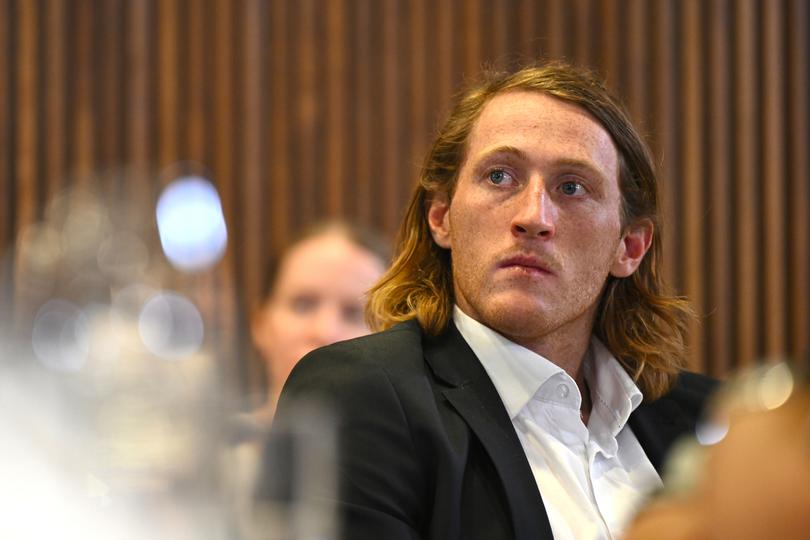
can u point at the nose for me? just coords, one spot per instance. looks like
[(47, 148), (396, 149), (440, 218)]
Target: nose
[(536, 214)]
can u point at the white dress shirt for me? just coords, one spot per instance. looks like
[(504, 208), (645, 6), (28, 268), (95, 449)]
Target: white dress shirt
[(592, 478)]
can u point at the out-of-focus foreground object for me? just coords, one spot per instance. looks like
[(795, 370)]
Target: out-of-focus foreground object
[(746, 475), (111, 397)]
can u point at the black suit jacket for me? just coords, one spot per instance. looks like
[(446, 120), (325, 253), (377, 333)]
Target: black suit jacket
[(426, 447)]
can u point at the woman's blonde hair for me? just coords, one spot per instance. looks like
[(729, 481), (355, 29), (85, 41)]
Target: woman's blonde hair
[(643, 326)]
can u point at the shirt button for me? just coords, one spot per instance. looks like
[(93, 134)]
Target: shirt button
[(563, 391)]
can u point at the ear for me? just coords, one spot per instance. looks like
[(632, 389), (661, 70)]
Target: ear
[(438, 216), (635, 242)]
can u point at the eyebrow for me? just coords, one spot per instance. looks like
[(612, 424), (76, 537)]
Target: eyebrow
[(574, 163), (512, 150)]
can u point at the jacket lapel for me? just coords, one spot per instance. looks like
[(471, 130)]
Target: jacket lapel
[(475, 399), (658, 424)]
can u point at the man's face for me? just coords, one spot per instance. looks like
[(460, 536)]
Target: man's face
[(318, 299), (534, 225)]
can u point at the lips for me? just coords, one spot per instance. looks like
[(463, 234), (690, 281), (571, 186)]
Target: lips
[(527, 263)]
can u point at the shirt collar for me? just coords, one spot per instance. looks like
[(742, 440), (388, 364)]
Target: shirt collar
[(517, 373), (614, 393)]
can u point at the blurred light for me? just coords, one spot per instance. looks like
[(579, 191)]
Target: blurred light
[(776, 386), (123, 255), (102, 334), (59, 337), (84, 225), (128, 302), (711, 432), (191, 224), (171, 326), (41, 246)]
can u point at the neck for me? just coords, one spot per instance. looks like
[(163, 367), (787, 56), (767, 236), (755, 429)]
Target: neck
[(270, 403), (565, 349)]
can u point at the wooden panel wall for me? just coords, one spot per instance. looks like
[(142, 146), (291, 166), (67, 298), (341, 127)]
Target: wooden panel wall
[(311, 108)]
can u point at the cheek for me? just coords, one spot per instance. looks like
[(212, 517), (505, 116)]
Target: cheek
[(285, 329), (470, 236), (596, 241)]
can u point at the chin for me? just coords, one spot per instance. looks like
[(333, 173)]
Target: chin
[(516, 319)]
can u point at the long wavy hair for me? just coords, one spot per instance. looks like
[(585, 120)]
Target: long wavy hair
[(642, 325)]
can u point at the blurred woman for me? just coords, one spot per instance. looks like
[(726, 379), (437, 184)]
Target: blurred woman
[(314, 295)]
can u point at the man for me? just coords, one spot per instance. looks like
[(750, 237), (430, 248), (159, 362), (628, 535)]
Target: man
[(525, 322)]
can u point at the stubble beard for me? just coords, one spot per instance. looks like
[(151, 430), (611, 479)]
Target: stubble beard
[(562, 323)]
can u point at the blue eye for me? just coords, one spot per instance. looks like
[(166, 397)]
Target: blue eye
[(499, 177), (571, 188)]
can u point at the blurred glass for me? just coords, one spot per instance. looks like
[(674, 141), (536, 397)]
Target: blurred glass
[(746, 474), (115, 420), (298, 490), (171, 326), (100, 436)]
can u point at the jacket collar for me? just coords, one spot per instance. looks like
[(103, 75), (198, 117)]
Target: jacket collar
[(472, 394), (656, 425)]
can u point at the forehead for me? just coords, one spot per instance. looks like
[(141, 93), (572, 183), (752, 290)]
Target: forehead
[(319, 259), (546, 128)]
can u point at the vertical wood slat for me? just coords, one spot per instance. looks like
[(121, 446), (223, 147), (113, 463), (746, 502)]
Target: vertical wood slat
[(692, 215), (720, 273), (195, 72), (442, 76), (251, 204), (210, 299), (636, 56), (418, 126), (7, 223), (280, 122), (609, 46), (168, 21), (85, 110), (55, 109), (336, 106), (799, 129), (773, 193), (228, 314), (583, 10), (222, 125), (26, 133), (251, 207), (306, 107), (137, 118), (7, 81), (500, 36), (390, 116), (527, 29), (471, 37), (27, 104), (556, 40), (108, 84), (746, 165), (363, 83), (664, 119)]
